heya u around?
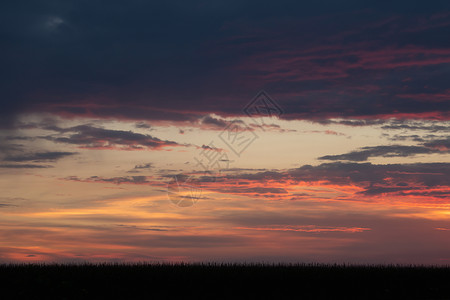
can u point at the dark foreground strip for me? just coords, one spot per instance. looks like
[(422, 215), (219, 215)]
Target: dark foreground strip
[(223, 281)]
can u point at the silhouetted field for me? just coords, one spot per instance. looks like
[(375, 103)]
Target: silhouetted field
[(223, 281)]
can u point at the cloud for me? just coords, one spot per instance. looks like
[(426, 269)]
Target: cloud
[(412, 137), (144, 166), (444, 229), (384, 151), (155, 228), (443, 194), (432, 146), (39, 156), (90, 137), (143, 125), (24, 166), (115, 180), (208, 120), (420, 179), (139, 168), (404, 125), (14, 157), (439, 145), (256, 191), (307, 228), (351, 122), (6, 147), (427, 174), (327, 132)]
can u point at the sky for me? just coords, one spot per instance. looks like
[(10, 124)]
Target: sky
[(225, 131)]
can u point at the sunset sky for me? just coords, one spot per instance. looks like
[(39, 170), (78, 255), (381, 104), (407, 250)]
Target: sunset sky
[(226, 131)]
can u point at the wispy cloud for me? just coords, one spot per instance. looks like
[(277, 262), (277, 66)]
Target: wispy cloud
[(306, 228), (24, 166), (140, 168), (355, 179), (39, 156), (384, 151), (90, 137), (115, 180)]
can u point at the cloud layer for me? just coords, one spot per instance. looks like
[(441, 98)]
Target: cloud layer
[(317, 60)]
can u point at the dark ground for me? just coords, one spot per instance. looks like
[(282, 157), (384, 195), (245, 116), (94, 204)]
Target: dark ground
[(213, 281)]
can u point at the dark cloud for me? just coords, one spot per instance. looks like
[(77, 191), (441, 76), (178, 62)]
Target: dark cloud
[(372, 178), (384, 151), (19, 138), (417, 126), (39, 157), (144, 166), (351, 122), (161, 228), (429, 144), (208, 120), (23, 166), (139, 168), (412, 137), (115, 180), (143, 125), (265, 175), (440, 145), (254, 190), (241, 170), (431, 174), (320, 60), (88, 136), (435, 194)]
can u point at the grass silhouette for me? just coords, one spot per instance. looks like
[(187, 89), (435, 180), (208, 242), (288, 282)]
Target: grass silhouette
[(223, 281)]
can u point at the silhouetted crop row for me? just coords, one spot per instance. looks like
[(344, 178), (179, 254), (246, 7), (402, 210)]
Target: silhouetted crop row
[(229, 281)]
